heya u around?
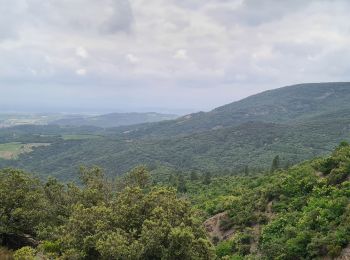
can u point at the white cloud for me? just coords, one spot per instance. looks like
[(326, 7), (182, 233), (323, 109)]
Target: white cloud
[(81, 52), (131, 58), (181, 54), (81, 72)]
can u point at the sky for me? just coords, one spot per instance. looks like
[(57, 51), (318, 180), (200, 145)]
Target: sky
[(175, 56)]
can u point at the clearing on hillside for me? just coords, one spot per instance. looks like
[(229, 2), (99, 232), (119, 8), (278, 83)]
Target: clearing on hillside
[(10, 151)]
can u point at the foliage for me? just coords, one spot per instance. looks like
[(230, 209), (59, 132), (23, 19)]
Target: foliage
[(95, 221), (275, 163), (290, 214), (23, 205), (25, 253), (291, 122), (137, 177), (298, 213)]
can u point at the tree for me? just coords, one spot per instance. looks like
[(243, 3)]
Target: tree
[(194, 176), (172, 180), (137, 177), (181, 186), (207, 178), (96, 187), (136, 225), (275, 163), (22, 204)]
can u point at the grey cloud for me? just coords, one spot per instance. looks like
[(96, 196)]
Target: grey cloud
[(232, 48), (121, 18), (80, 16), (10, 16), (254, 12)]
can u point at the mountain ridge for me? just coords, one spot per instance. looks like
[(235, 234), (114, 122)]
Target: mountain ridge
[(316, 119), (280, 105)]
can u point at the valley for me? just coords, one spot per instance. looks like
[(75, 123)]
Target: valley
[(296, 123)]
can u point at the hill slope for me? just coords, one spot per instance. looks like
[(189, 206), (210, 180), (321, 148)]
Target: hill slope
[(283, 105), (296, 123), (299, 213), (253, 144)]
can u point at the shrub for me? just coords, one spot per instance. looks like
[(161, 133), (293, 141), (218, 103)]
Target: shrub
[(25, 253)]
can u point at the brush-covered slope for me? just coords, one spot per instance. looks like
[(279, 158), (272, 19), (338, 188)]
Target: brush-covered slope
[(283, 105), (299, 213)]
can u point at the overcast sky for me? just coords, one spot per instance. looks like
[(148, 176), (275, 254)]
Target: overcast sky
[(164, 55)]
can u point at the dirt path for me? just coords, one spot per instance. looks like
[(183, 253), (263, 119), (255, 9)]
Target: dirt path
[(345, 255)]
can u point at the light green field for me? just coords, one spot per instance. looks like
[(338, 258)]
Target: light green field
[(14, 119), (10, 151), (79, 137)]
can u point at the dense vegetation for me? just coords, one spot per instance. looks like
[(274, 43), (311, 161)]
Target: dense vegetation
[(127, 219), (296, 123), (299, 213), (302, 212), (229, 149)]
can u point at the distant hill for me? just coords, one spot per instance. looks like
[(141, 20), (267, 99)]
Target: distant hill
[(114, 119), (296, 122), (283, 105)]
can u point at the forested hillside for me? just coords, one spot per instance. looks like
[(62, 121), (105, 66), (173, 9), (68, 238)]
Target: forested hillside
[(299, 213), (295, 123), (283, 105)]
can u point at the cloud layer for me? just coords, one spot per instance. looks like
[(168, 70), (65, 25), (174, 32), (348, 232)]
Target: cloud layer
[(157, 54)]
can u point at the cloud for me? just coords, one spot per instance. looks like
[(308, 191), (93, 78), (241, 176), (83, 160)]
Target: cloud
[(65, 16), (81, 72), (131, 58), (81, 52), (204, 52), (181, 54)]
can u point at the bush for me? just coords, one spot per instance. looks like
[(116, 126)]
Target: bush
[(25, 253), (224, 248)]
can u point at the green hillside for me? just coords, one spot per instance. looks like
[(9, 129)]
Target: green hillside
[(252, 144), (283, 105), (295, 123), (299, 213)]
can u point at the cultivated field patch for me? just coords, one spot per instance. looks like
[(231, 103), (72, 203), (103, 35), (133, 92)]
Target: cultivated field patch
[(10, 151)]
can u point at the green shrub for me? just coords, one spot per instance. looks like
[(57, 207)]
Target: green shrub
[(25, 253), (224, 248)]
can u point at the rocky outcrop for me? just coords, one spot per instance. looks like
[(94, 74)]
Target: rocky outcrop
[(214, 229)]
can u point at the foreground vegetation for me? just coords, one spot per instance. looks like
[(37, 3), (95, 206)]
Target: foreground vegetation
[(100, 220), (299, 213)]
